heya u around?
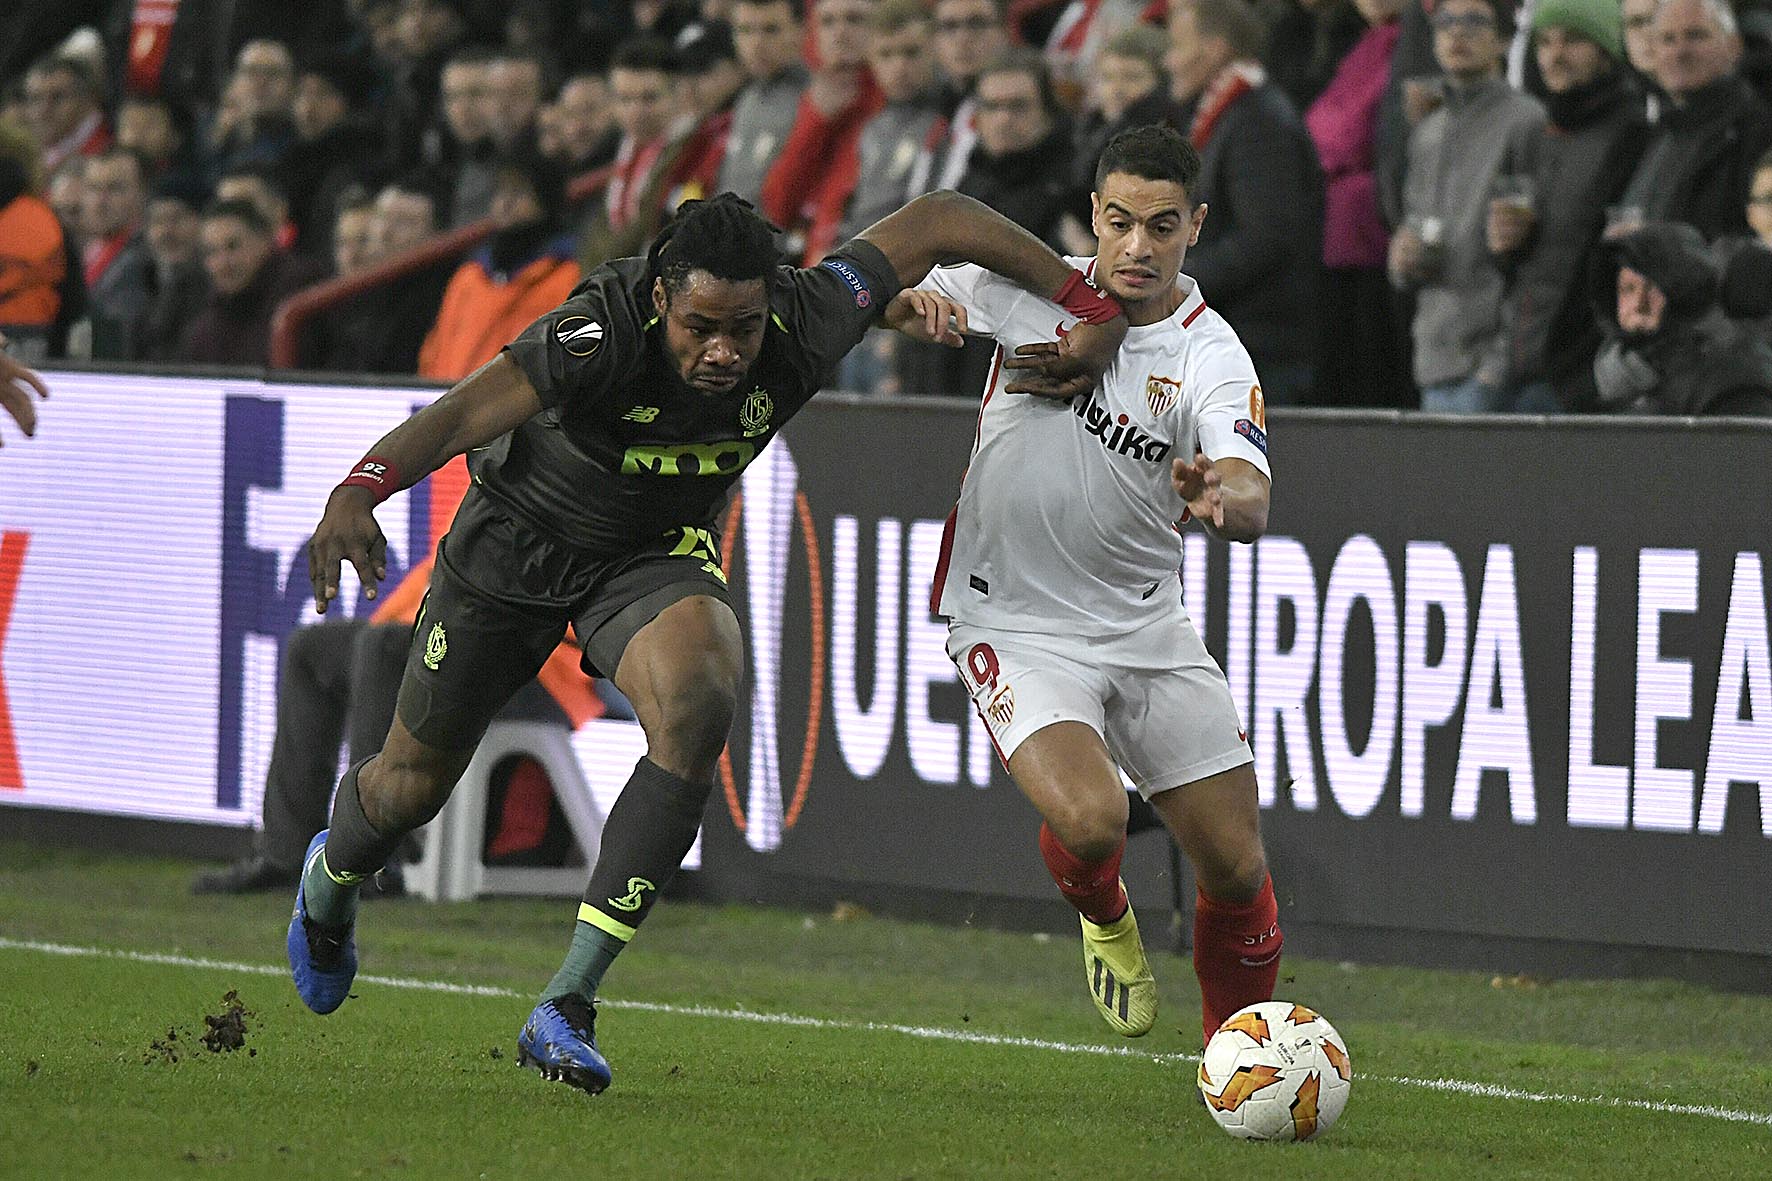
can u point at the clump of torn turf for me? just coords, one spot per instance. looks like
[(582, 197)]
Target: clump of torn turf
[(227, 1029), (224, 1032)]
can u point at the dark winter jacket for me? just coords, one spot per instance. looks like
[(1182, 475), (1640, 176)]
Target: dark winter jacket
[(1699, 163), (1588, 149), (236, 329), (1028, 187), (1259, 260)]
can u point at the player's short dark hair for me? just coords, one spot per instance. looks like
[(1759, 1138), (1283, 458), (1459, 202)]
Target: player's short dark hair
[(240, 210), (1151, 152), (724, 236)]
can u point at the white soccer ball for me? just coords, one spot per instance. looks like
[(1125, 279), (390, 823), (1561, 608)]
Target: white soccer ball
[(1276, 1071)]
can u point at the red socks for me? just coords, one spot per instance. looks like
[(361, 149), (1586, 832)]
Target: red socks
[(1236, 953), (1093, 887)]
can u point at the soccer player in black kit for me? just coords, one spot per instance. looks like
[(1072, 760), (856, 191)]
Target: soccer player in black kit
[(603, 442)]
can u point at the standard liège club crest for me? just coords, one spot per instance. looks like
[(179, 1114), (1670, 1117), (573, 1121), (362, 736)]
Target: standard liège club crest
[(753, 416), (1161, 393)]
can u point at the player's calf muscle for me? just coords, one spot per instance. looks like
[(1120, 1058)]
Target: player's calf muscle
[(401, 794)]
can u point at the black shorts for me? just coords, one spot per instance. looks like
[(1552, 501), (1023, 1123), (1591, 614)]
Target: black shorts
[(500, 598)]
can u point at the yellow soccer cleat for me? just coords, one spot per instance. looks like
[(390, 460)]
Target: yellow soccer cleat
[(1119, 975)]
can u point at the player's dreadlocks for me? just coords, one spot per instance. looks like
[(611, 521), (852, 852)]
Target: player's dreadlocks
[(724, 236)]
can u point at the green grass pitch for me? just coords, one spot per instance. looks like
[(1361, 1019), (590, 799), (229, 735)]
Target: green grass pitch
[(755, 1043)]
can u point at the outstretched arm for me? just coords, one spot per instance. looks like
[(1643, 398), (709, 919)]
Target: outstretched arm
[(945, 227), (493, 400), (1228, 496)]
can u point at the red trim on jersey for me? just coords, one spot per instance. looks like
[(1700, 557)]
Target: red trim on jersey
[(995, 745), (989, 389), (1193, 315), (941, 563)]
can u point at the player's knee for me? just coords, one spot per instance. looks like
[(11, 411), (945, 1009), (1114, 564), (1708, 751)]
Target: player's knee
[(1233, 875), (1089, 832), (695, 718)]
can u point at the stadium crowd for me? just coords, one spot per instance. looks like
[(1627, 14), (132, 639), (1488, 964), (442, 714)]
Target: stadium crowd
[(1460, 205)]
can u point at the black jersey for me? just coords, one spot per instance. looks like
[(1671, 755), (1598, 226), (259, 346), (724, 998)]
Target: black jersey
[(624, 449)]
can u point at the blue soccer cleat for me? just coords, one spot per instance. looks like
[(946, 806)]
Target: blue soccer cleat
[(322, 959), (560, 1042)]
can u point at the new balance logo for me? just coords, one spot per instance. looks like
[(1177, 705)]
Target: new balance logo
[(640, 414)]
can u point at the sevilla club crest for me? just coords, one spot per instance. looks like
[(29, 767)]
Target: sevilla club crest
[(1161, 393)]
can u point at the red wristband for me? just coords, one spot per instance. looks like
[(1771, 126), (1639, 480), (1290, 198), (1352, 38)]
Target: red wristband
[(1084, 302), (376, 474)]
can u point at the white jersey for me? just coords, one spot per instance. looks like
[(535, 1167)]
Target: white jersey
[(1066, 517)]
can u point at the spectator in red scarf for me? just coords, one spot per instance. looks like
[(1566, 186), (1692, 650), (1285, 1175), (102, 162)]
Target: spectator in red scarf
[(808, 187), (115, 258), (1259, 258), (63, 107)]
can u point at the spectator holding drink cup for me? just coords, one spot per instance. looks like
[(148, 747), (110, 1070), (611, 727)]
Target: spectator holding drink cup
[(1542, 226), (1484, 130)]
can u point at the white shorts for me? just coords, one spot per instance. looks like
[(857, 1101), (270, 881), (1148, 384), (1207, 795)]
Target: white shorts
[(1166, 726)]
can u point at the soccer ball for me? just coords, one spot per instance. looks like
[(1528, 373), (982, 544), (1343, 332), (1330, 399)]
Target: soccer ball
[(1275, 1071)]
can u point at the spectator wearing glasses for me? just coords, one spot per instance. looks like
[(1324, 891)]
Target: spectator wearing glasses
[(969, 34), (255, 121), (1022, 168), (1483, 130), (1699, 162)]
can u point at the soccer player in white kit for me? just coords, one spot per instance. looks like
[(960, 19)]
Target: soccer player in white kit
[(1058, 576)]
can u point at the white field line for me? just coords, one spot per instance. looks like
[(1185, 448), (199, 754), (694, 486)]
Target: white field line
[(1455, 1086)]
